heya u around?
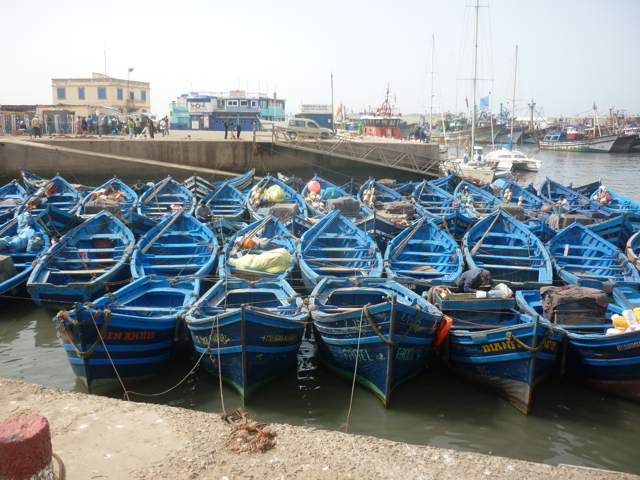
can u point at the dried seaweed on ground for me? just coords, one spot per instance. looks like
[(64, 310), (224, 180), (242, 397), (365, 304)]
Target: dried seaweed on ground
[(248, 435)]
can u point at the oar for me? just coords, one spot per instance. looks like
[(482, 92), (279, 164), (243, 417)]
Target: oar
[(217, 192), (175, 217), (156, 190), (404, 242), (475, 249)]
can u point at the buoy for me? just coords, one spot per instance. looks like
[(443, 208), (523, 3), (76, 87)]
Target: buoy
[(443, 330), (313, 186)]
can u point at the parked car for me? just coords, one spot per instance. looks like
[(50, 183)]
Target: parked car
[(303, 126)]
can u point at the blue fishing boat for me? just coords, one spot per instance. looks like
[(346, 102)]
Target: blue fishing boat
[(12, 195), (56, 222), (332, 197), (116, 191), (263, 249), (392, 212), (335, 247), (509, 250), (585, 259), (248, 333), (608, 363), (32, 182), (166, 195), (388, 328), (434, 200), (587, 189), (83, 263), (617, 231), (541, 230), (225, 202), (455, 224), (137, 326), (296, 183), (138, 224), (57, 193), (179, 246), (633, 249), (200, 188), (475, 201), (423, 256), (550, 192), (351, 187), (224, 229), (619, 204), (493, 345), (447, 183), (22, 240), (406, 189), (241, 182), (297, 225), (512, 192), (272, 195)]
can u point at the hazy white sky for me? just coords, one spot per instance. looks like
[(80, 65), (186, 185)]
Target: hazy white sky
[(571, 53)]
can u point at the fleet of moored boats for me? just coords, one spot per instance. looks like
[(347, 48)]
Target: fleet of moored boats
[(372, 271)]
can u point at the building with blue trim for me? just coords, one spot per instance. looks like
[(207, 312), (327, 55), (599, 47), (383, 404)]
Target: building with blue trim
[(209, 111)]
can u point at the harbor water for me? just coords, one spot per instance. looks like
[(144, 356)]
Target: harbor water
[(568, 423)]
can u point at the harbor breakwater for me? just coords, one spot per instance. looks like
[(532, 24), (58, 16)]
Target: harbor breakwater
[(99, 437)]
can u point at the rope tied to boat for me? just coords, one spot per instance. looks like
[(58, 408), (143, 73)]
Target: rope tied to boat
[(63, 315), (391, 343), (512, 338)]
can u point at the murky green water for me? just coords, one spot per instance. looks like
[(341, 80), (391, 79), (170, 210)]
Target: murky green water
[(568, 423)]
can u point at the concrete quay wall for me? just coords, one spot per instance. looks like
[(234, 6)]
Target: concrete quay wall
[(100, 437)]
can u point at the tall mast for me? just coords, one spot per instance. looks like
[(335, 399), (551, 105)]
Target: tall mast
[(513, 104), (431, 103), (475, 74)]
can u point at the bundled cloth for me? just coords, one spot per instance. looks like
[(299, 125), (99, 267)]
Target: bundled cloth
[(560, 222), (400, 213), (387, 182), (7, 268), (101, 203), (275, 261), (26, 237), (283, 211), (274, 194), (516, 211), (348, 206), (590, 299)]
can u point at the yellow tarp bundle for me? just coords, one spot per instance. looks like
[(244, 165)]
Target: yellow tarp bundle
[(275, 261)]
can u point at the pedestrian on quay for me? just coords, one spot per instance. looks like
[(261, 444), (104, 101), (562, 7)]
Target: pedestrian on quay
[(238, 130), (131, 128), (150, 127), (226, 128), (105, 125), (35, 123), (163, 126), (79, 125), (166, 121), (138, 128), (49, 124), (90, 124), (85, 125)]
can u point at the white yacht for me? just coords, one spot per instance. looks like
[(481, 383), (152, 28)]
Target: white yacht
[(506, 159)]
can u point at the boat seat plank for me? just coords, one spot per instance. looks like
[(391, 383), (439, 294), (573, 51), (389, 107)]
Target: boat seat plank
[(507, 267), (416, 273), (331, 260), (63, 261), (78, 272)]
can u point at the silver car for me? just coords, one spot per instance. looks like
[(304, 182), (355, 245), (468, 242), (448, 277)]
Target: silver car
[(304, 126)]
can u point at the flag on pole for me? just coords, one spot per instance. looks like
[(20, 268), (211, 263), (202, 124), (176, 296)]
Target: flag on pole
[(394, 99), (466, 101), (130, 70), (339, 110), (484, 102)]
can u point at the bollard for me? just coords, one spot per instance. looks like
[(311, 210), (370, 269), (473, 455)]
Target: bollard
[(25, 448)]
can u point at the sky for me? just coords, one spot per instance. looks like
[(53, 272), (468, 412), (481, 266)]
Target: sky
[(570, 53)]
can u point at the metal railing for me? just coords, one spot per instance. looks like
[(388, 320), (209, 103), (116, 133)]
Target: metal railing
[(377, 153)]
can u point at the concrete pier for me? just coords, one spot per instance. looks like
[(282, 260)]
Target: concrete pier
[(95, 159), (104, 438)]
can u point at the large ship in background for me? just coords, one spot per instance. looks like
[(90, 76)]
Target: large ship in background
[(457, 129), (384, 121)]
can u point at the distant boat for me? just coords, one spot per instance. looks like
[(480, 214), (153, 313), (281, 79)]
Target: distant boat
[(574, 139), (248, 333), (12, 196), (423, 256), (388, 328), (114, 190), (508, 249), (275, 255), (23, 256), (137, 323), (163, 197), (508, 159), (179, 246), (336, 247), (583, 258), (493, 345), (550, 192), (80, 267), (608, 363), (57, 193)]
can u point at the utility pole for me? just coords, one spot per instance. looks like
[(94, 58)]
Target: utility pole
[(333, 122), (475, 74)]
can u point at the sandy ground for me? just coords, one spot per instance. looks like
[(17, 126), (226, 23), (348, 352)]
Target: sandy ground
[(104, 438)]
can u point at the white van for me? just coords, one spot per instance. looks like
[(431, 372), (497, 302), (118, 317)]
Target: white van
[(304, 126)]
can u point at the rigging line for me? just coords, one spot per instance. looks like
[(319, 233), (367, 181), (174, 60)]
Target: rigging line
[(355, 370)]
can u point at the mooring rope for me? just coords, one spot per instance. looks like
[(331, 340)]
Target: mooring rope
[(355, 370)]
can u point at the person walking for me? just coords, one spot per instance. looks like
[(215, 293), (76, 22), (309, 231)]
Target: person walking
[(85, 125), (138, 128), (226, 128), (35, 123), (131, 128), (90, 124), (238, 130), (168, 124), (163, 126), (79, 125), (150, 127), (105, 126)]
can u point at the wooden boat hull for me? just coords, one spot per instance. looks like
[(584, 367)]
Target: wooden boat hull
[(56, 222), (65, 198), (594, 145), (139, 337), (130, 197), (616, 231), (489, 359), (154, 202), (344, 335), (259, 208), (12, 196)]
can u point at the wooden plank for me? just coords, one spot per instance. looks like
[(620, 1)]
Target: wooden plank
[(77, 272)]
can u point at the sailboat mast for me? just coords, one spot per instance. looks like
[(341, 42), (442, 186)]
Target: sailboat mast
[(431, 102), (513, 103), (475, 74)]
